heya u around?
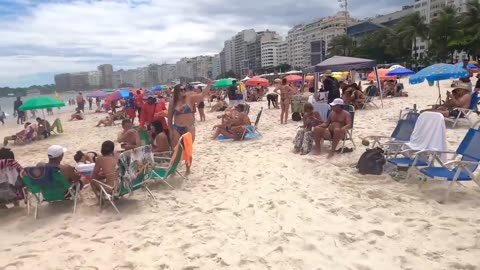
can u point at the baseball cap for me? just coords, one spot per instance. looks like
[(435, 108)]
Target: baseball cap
[(55, 151), (337, 101)]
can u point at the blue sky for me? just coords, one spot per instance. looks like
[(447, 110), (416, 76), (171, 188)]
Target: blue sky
[(43, 37)]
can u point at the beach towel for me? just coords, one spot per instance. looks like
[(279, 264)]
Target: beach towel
[(132, 164), (188, 148), (42, 175), (429, 133), (9, 171)]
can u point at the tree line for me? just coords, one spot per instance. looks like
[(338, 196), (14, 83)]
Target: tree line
[(449, 32)]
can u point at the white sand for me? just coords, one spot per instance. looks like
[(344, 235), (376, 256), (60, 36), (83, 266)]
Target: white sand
[(254, 205)]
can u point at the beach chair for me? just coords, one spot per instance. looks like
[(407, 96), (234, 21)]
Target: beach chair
[(466, 113), (322, 108), (349, 133), (57, 124), (429, 134), (454, 170), (48, 184), (370, 97), (164, 172), (251, 131), (10, 191), (134, 169)]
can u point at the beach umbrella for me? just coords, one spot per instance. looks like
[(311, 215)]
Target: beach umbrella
[(257, 80), (309, 78), (124, 92), (98, 93), (114, 96), (436, 73), (159, 88), (110, 90), (395, 67), (293, 78), (382, 75), (469, 65), (41, 102), (400, 72), (223, 83)]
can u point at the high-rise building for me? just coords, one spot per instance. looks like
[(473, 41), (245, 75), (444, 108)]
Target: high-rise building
[(216, 66), (106, 71), (94, 78), (229, 51), (202, 67), (223, 68), (62, 81), (184, 69), (325, 29), (282, 52), (79, 81), (241, 40), (295, 40), (153, 78), (168, 73), (256, 50)]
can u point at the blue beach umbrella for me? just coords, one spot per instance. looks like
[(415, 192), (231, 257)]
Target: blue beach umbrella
[(401, 72), (159, 88), (471, 66), (124, 93), (438, 72)]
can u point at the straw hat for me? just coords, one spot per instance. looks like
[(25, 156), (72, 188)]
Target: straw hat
[(277, 80), (328, 73)]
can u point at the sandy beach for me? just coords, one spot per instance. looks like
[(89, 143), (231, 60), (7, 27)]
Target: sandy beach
[(253, 205)]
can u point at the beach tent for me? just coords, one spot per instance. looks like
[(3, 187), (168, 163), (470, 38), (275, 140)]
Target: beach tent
[(344, 63)]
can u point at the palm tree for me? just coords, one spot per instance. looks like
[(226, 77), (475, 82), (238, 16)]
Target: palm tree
[(471, 24), (341, 45), (411, 28), (445, 31)]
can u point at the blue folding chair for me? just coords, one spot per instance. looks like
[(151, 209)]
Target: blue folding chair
[(400, 134), (453, 171), (371, 94), (465, 113)]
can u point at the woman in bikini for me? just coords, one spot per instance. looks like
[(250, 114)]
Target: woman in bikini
[(181, 118), (285, 95)]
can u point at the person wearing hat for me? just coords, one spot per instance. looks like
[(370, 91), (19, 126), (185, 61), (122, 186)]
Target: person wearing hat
[(335, 128), (331, 86), (466, 80), (458, 98), (55, 156)]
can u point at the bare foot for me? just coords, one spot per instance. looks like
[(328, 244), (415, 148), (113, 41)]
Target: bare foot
[(330, 155)]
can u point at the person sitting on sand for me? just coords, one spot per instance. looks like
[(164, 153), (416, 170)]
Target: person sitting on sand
[(335, 128), (84, 158), (303, 140), (458, 98), (107, 121), (19, 136), (220, 106), (105, 169), (78, 115), (159, 138), (129, 138), (234, 123), (55, 156), (44, 127)]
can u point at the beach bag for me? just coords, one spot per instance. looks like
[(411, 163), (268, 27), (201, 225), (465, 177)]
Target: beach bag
[(371, 162)]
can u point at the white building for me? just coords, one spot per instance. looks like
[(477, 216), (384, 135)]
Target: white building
[(295, 41), (167, 73), (241, 40), (229, 50), (216, 66), (282, 53), (94, 78), (269, 49), (202, 67), (185, 69), (428, 9)]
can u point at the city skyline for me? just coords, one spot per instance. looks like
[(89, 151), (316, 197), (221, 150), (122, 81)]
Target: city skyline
[(50, 37)]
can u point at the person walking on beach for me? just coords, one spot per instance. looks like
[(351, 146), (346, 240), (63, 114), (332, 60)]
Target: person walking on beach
[(139, 101), (285, 97), (16, 112), (80, 102), (2, 116), (90, 103)]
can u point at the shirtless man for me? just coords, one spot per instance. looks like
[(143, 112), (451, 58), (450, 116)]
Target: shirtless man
[(105, 169), (338, 122), (129, 138), (458, 98)]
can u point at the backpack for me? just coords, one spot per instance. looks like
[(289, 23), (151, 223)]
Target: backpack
[(371, 162)]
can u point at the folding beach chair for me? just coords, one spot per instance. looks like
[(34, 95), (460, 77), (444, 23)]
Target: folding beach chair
[(49, 184), (251, 132), (454, 170), (322, 108), (429, 134), (164, 172), (134, 169), (349, 133), (57, 124), (10, 190), (371, 95), (466, 113)]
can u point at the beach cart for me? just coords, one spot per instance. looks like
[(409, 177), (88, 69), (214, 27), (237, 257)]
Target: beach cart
[(297, 106)]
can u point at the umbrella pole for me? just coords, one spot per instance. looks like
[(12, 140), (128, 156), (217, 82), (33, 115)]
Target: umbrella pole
[(439, 100), (379, 85), (43, 113)]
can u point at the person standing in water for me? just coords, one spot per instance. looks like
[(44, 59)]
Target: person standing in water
[(285, 97)]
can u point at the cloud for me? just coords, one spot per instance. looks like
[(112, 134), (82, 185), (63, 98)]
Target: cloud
[(47, 36)]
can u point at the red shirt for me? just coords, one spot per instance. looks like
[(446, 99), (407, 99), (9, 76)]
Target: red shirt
[(152, 112), (139, 101)]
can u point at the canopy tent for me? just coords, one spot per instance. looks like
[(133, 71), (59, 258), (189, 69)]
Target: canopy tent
[(344, 63)]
